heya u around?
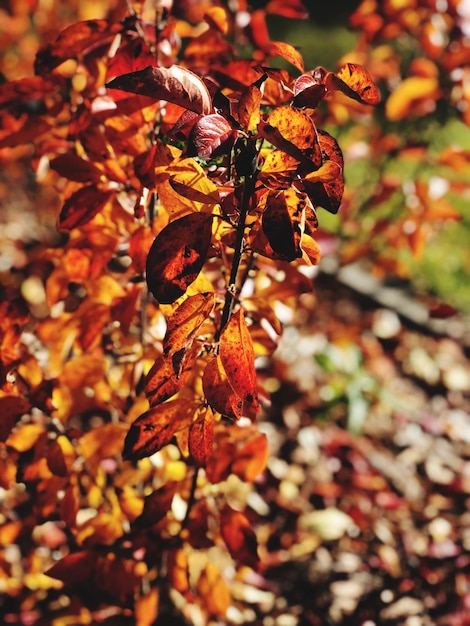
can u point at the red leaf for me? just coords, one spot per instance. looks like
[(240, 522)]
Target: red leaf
[(442, 311), (162, 382), (238, 359), (74, 568), (218, 392), (177, 256), (201, 438), (209, 133), (11, 409), (282, 223), (184, 323), (174, 84), (82, 206), (72, 41), (287, 52), (73, 167), (308, 92), (155, 428), (239, 537)]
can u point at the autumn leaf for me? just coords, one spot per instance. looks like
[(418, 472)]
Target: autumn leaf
[(249, 105), (175, 84), (11, 409), (239, 536), (218, 391), (410, 92), (75, 168), (213, 590), (82, 206), (282, 222), (73, 568), (177, 256), (201, 438), (360, 82), (210, 133), (287, 52), (155, 428), (327, 194), (166, 376), (308, 92), (238, 360)]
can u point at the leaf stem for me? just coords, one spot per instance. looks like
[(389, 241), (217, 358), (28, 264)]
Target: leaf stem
[(230, 295), (191, 499)]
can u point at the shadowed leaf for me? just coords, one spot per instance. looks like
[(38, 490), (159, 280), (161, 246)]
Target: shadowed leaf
[(239, 536), (327, 194), (82, 206), (177, 256), (218, 391)]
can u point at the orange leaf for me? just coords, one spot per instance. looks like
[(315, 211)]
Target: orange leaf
[(239, 536), (155, 428), (409, 92), (177, 256), (282, 222), (238, 360), (218, 391), (213, 590), (146, 608), (201, 438), (61, 456), (360, 82), (178, 573), (287, 52), (249, 107), (175, 84), (82, 206), (156, 505), (184, 323)]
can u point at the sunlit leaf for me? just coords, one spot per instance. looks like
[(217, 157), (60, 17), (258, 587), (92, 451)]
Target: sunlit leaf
[(155, 428), (61, 456), (360, 82), (287, 52), (409, 93), (82, 206), (184, 323), (175, 84), (146, 608), (162, 381), (238, 360), (177, 256), (213, 590), (178, 570), (249, 106), (201, 438), (239, 536)]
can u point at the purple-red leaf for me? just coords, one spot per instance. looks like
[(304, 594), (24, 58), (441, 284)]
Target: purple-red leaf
[(209, 133)]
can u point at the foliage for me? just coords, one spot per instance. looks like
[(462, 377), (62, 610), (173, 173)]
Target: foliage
[(407, 184), (189, 179)]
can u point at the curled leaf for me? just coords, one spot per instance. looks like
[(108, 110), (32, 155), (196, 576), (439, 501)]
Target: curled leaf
[(177, 256), (210, 133)]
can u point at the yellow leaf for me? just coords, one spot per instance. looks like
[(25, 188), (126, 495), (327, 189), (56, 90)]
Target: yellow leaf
[(410, 91)]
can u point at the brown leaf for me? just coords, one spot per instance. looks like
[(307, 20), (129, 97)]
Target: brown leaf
[(239, 536), (82, 206), (155, 428), (175, 84), (73, 167), (238, 360), (177, 256), (156, 505), (201, 438)]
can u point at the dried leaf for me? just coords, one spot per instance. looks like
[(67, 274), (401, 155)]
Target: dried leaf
[(238, 360), (175, 84), (201, 438), (239, 537), (82, 206), (155, 428), (177, 256)]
